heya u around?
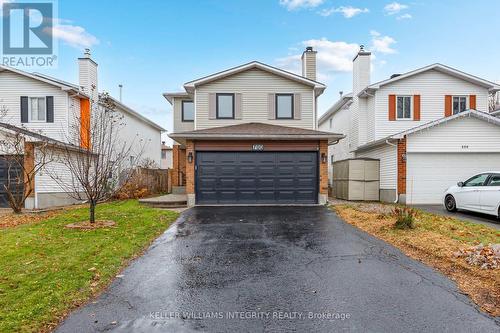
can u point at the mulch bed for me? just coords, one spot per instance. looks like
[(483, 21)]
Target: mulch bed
[(86, 225)]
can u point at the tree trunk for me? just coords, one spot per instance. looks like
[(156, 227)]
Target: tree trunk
[(92, 212)]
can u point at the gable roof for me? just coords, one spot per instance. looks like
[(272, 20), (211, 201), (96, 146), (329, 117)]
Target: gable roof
[(318, 87), (136, 114), (491, 86), (468, 113), (335, 107), (46, 79)]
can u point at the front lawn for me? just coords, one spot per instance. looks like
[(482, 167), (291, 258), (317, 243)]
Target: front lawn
[(47, 270), (434, 241)]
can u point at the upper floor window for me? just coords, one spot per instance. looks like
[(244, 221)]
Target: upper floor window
[(225, 106), (187, 111), (403, 107), (37, 109), (284, 106), (459, 104)]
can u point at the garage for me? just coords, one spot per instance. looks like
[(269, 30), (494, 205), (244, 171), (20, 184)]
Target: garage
[(15, 170), (256, 177), (430, 174)]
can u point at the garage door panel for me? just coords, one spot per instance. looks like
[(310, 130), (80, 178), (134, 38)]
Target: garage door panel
[(430, 174), (256, 177)]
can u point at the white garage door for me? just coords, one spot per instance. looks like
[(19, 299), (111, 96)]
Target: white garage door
[(430, 174)]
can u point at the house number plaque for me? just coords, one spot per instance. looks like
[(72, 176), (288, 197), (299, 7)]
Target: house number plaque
[(258, 147)]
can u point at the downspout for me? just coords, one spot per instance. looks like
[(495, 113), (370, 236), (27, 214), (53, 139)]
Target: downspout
[(397, 189)]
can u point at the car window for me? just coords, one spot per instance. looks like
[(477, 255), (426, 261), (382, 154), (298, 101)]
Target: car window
[(494, 180), (477, 180)]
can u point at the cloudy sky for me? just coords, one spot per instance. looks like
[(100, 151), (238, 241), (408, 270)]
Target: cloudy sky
[(155, 46)]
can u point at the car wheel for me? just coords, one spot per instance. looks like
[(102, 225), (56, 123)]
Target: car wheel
[(450, 204)]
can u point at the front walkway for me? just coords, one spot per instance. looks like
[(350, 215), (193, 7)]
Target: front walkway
[(255, 269)]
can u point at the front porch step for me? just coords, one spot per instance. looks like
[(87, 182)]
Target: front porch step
[(178, 189), (166, 201)]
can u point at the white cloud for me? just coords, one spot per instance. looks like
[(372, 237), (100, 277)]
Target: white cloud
[(394, 8), (404, 17), (348, 11), (74, 35), (296, 4), (382, 44), (333, 57)]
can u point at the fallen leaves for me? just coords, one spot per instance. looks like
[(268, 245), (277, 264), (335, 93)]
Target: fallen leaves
[(486, 257)]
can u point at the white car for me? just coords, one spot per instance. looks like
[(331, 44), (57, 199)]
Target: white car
[(480, 193)]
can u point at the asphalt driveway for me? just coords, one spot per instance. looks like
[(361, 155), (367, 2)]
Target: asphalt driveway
[(276, 269)]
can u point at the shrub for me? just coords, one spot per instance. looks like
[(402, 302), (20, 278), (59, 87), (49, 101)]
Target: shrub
[(405, 217)]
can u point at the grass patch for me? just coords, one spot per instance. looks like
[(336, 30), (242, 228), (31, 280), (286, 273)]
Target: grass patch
[(433, 241), (47, 270)]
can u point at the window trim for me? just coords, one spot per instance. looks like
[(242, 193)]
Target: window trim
[(182, 111), (292, 116), (467, 103), (30, 120), (217, 105), (411, 108)]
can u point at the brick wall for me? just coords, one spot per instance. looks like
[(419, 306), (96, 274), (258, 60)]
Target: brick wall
[(178, 164), (402, 166), (323, 168), (189, 167)]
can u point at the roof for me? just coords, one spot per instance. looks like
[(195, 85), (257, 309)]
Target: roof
[(46, 79), (491, 86), (335, 107), (170, 96), (136, 114), (318, 87), (40, 137), (468, 113), (256, 131)]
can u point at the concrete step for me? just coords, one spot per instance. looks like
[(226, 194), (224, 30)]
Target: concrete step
[(166, 201), (178, 189), (179, 204)]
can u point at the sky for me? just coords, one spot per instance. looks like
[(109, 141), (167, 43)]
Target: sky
[(152, 47)]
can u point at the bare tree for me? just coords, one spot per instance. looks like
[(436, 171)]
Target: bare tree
[(492, 102), (105, 161), (24, 156)]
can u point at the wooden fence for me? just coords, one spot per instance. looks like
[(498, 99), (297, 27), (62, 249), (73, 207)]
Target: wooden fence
[(155, 180)]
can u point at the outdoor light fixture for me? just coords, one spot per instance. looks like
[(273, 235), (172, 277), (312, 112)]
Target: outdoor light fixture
[(190, 157), (323, 157)]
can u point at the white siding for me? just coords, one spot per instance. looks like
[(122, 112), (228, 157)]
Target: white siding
[(13, 86), (459, 135), (432, 86), (87, 77), (387, 155), (254, 85), (139, 133), (167, 162), (179, 125), (370, 119), (44, 180)]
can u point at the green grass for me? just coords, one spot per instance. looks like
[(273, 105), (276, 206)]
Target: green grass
[(44, 268)]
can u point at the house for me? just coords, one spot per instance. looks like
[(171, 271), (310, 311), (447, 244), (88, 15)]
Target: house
[(248, 135), (430, 128), (53, 108), (166, 156)]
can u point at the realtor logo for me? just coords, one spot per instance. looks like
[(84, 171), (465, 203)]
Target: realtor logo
[(27, 34)]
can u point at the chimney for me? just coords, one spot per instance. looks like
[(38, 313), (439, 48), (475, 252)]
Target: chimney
[(361, 70), (341, 93), (87, 75), (309, 63)]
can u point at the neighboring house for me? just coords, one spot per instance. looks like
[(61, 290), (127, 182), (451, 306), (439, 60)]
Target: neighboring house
[(54, 108), (248, 135), (430, 128), (166, 156)]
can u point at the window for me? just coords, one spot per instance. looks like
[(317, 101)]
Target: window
[(331, 123), (477, 180), (225, 106), (403, 106), (284, 106), (494, 180), (37, 109), (459, 104), (187, 111)]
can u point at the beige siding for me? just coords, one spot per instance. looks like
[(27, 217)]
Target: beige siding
[(432, 86), (463, 135), (387, 155), (179, 125), (254, 85), (13, 86)]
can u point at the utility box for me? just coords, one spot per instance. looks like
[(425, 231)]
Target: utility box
[(357, 179)]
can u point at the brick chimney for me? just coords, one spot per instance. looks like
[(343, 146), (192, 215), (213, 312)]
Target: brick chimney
[(87, 75), (309, 63)]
